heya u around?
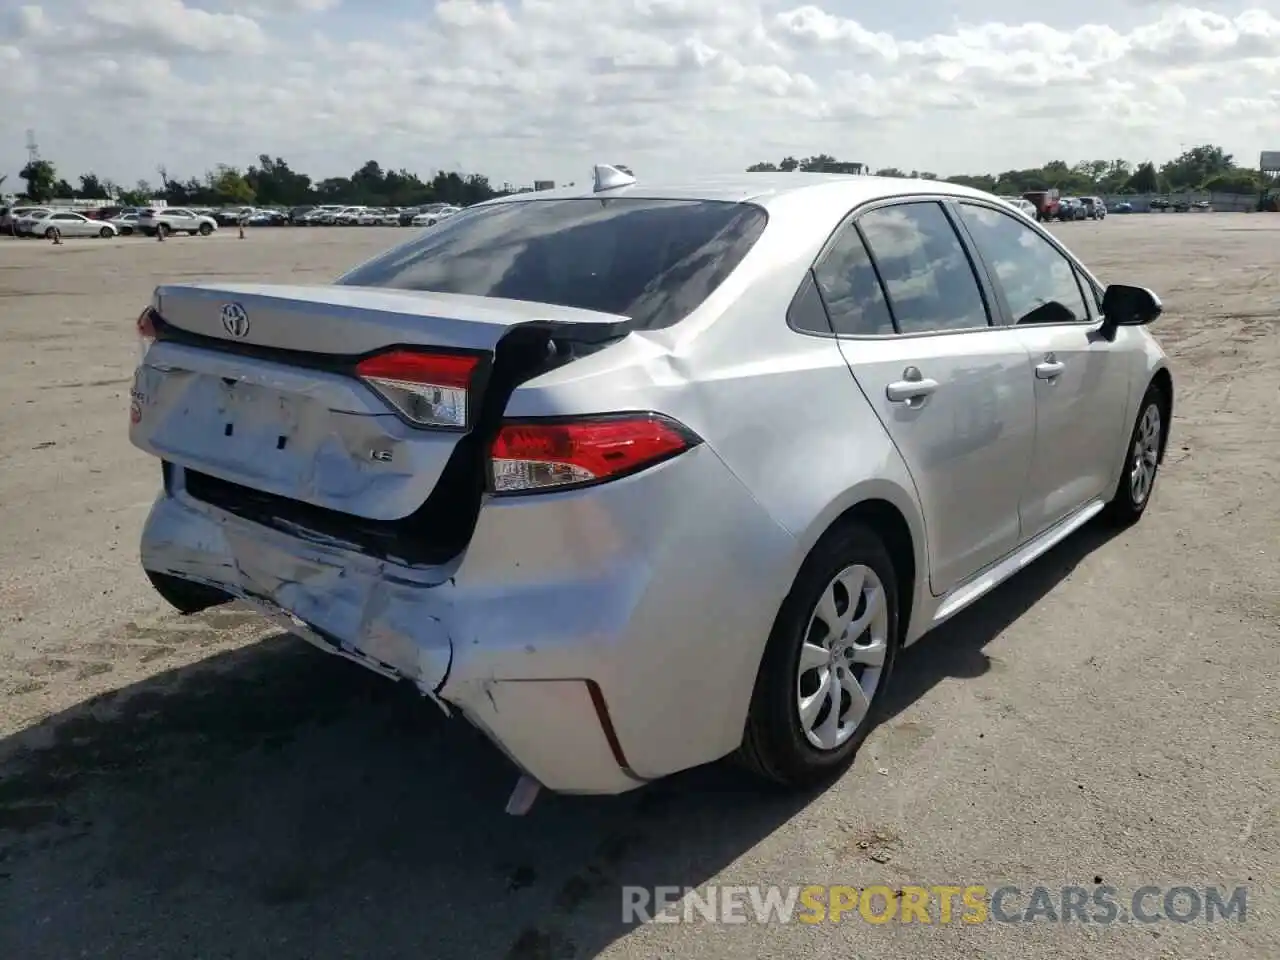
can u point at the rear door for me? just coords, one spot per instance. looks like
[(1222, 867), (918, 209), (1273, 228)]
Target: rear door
[(1081, 379), (953, 391)]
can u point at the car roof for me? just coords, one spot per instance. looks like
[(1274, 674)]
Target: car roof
[(765, 189)]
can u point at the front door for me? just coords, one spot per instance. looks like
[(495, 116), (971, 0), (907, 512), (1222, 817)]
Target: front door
[(954, 393), (1081, 379)]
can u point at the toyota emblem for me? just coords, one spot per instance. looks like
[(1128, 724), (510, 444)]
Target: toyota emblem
[(235, 320)]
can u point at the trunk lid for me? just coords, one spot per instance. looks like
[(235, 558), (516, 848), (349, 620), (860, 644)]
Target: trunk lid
[(254, 389)]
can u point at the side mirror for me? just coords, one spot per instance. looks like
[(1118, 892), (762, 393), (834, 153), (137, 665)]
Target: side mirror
[(1124, 306)]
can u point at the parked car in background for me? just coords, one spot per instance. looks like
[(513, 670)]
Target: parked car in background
[(28, 224), (349, 216), (613, 572), (125, 223), (1094, 208), (433, 217), (1124, 206), (268, 217), (68, 223), (322, 215), (296, 214), (1046, 203), (1202, 205), (11, 215), (1180, 206), (230, 216), (169, 220), (1023, 206), (1159, 203)]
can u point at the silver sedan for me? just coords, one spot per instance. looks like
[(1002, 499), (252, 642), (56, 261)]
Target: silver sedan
[(70, 224), (636, 476)]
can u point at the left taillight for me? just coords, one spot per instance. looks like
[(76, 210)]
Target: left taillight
[(428, 389), (531, 456), (146, 330)]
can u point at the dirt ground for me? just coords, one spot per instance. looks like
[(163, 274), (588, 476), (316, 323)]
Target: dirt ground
[(207, 788)]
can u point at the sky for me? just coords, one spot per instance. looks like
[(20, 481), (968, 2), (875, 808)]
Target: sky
[(543, 89)]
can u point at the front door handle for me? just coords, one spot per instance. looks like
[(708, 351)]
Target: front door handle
[(907, 391), (1049, 369)]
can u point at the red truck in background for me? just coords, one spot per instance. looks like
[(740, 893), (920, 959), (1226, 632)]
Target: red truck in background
[(1045, 201)]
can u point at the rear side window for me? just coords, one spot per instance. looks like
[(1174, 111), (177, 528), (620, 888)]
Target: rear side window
[(850, 288), (654, 261), (925, 269)]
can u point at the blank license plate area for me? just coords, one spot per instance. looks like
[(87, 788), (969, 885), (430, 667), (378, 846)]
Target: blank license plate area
[(243, 428)]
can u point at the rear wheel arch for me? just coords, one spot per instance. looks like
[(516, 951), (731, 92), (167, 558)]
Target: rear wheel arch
[(888, 522), (1162, 380)]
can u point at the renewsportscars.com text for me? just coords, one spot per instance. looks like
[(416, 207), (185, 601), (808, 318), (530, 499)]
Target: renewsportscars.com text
[(941, 904)]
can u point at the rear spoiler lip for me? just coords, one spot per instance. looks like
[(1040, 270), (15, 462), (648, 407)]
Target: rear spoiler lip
[(569, 331)]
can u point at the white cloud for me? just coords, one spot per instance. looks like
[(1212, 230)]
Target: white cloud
[(524, 89)]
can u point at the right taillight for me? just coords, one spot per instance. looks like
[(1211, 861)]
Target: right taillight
[(531, 456)]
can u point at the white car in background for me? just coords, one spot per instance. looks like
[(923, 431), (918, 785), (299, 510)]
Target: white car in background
[(68, 223), (28, 222), (168, 220), (349, 216), (431, 218), (11, 215), (1022, 205)]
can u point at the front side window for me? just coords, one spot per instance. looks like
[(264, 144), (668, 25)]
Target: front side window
[(1039, 283), (926, 272), (654, 261)]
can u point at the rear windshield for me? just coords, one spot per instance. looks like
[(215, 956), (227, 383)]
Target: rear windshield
[(654, 261)]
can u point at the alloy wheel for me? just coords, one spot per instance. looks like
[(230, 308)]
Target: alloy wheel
[(842, 657)]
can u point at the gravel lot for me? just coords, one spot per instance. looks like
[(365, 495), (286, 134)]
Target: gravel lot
[(206, 788)]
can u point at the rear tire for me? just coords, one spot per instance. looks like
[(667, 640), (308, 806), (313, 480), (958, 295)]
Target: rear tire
[(780, 743), (1142, 459)]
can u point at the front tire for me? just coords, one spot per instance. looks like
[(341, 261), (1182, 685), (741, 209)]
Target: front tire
[(105, 233), (1141, 461), (827, 662)]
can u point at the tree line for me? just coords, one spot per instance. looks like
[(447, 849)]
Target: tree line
[(270, 182), (1205, 167)]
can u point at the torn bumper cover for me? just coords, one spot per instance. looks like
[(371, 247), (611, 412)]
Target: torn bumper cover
[(400, 623), (318, 592)]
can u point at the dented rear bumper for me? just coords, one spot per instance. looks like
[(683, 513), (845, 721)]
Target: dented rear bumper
[(601, 638), (338, 599)]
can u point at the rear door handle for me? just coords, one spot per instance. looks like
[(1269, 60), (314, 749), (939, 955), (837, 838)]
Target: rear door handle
[(904, 391), (1049, 369)]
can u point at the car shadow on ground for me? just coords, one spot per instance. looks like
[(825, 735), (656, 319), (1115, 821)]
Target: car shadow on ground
[(276, 802), (956, 648)]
